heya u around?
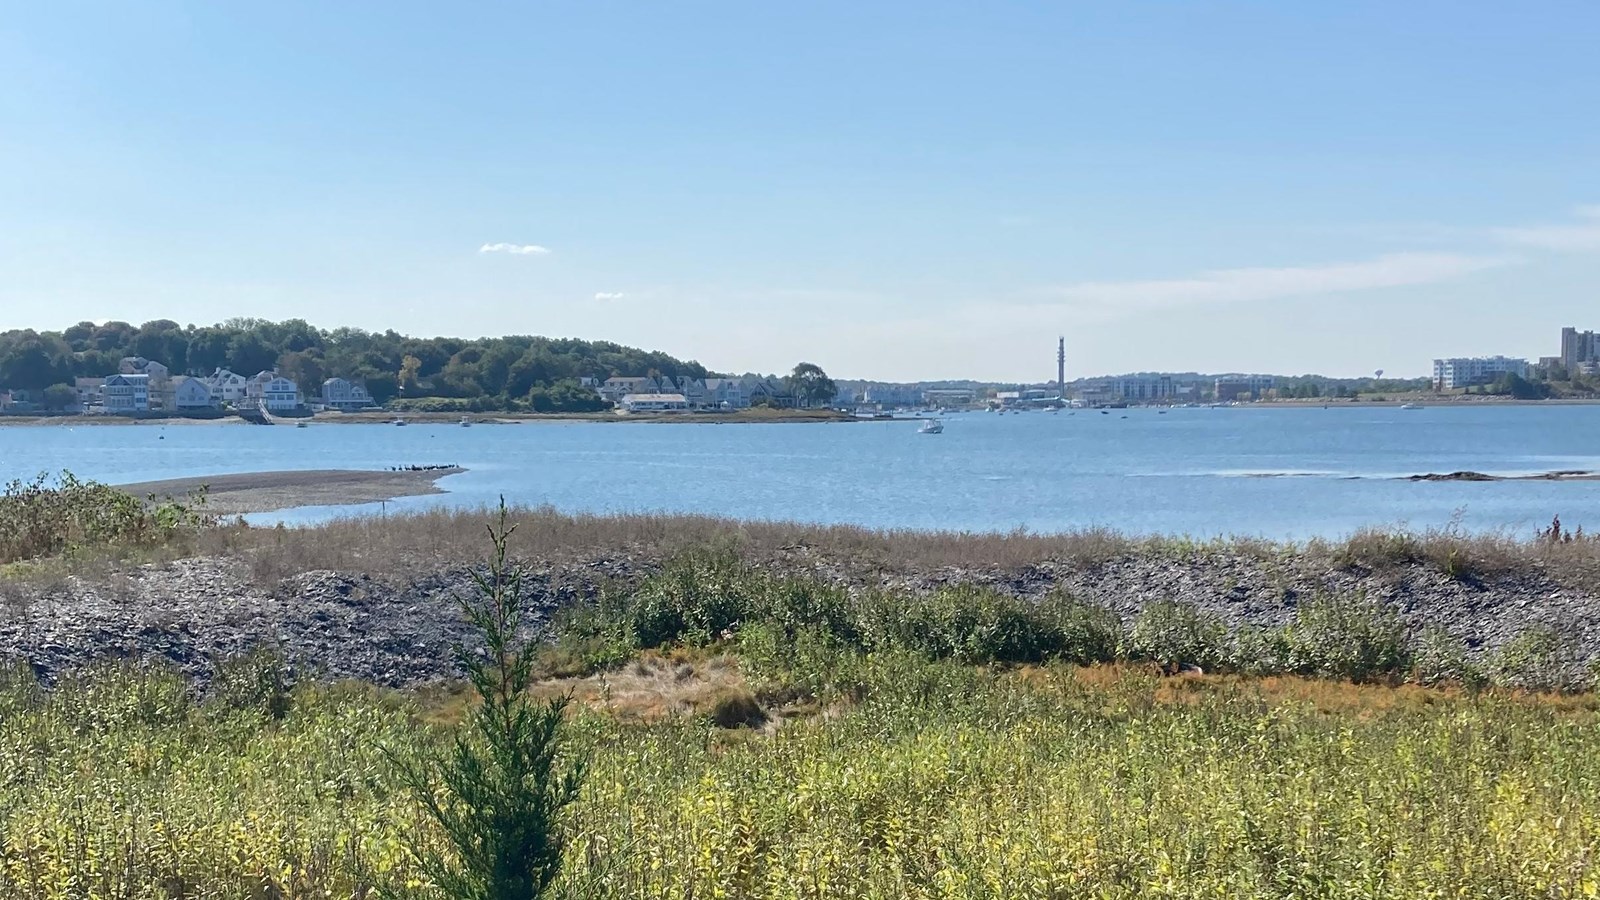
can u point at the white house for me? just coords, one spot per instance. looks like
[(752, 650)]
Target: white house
[(654, 403), (127, 393), (343, 394), (191, 393), (273, 391), (226, 387)]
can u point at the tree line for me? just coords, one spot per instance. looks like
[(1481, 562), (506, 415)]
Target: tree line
[(518, 371)]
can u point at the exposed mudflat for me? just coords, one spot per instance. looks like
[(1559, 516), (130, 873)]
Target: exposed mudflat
[(399, 630), (256, 492)]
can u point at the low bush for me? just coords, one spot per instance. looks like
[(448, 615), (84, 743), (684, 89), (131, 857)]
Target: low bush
[(1440, 658), (46, 517), (1175, 635), (1347, 638), (1539, 659)]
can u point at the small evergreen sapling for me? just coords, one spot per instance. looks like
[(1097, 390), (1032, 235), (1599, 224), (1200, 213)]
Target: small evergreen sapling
[(497, 791)]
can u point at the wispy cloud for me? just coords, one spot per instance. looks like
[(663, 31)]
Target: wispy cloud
[(604, 296), (1261, 284), (515, 249), (1578, 236)]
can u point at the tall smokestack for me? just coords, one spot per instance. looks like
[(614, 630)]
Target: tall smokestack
[(1061, 367)]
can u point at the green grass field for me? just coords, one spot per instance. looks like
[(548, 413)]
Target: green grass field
[(931, 779)]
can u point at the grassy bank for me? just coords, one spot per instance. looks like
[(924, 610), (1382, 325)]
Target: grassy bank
[(932, 779), (754, 730)]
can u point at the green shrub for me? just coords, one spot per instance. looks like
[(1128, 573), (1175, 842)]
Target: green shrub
[(1259, 651), (1175, 634), (1344, 637), (1539, 659), (40, 518), (1440, 658), (257, 682)]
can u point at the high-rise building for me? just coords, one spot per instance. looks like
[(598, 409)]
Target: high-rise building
[(1578, 347)]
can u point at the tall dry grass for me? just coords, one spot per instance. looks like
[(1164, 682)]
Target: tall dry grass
[(402, 544)]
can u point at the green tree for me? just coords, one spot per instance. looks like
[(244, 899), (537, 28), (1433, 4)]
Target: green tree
[(1518, 387), (58, 397), (208, 349), (497, 792), (304, 368), (810, 385), (248, 354)]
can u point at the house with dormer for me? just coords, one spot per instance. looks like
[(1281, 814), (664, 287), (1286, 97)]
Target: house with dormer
[(345, 395), (272, 392), (126, 393), (227, 387)]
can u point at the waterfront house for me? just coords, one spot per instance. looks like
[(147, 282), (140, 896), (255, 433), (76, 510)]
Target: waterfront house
[(726, 393), (621, 386), (345, 395), (191, 394), (227, 387), (91, 391), (771, 391), (17, 400), (127, 393), (654, 403), (272, 392), (693, 390)]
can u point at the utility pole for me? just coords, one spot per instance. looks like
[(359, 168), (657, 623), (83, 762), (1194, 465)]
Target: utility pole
[(1061, 368)]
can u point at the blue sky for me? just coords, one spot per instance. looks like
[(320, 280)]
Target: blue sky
[(891, 190)]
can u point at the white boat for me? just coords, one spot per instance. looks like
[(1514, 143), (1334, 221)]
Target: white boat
[(1410, 406), (931, 426), (399, 421), (465, 422)]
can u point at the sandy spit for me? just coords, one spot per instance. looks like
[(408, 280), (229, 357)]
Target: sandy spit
[(257, 492)]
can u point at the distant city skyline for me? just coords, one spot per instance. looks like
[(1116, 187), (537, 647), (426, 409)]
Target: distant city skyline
[(896, 192)]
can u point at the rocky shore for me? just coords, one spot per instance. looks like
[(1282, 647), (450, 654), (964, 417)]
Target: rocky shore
[(399, 630)]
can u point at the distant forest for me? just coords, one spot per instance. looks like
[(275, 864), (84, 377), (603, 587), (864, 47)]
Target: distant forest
[(520, 371)]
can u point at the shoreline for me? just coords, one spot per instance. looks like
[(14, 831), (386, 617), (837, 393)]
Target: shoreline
[(259, 492), (743, 417)]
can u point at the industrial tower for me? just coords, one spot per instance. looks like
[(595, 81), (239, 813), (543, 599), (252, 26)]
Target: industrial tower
[(1061, 368)]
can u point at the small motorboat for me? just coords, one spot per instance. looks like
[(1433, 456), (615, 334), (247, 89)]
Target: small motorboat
[(931, 426), (398, 422), (302, 425), (466, 422), (1410, 406)]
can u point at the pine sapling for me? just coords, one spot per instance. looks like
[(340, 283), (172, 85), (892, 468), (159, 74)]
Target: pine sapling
[(498, 790)]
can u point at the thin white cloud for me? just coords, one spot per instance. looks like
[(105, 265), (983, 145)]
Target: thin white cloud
[(609, 295), (1580, 236), (515, 249), (1263, 283)]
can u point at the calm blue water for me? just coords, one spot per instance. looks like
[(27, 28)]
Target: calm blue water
[(1192, 471)]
